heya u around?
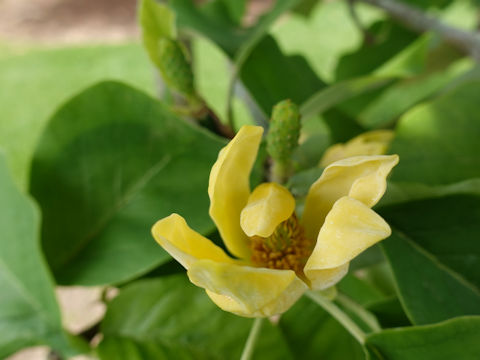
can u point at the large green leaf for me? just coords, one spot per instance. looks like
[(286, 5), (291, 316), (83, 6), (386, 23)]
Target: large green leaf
[(270, 76), (359, 290), (452, 339), (340, 92), (325, 35), (388, 40), (402, 192), (410, 61), (111, 162), (389, 312), (435, 256), (438, 141), (29, 313), (313, 334), (342, 126), (170, 318), (400, 97), (50, 77)]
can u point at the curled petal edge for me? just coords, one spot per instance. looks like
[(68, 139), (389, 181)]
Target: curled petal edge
[(247, 291), (268, 205), (361, 177), (184, 244), (229, 187), (349, 229)]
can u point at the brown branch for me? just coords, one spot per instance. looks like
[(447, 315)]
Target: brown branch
[(220, 128), (417, 20)]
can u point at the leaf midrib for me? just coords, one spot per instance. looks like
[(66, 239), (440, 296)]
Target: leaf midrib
[(121, 203)]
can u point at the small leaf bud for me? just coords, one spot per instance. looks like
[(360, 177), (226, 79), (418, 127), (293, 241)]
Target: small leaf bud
[(175, 68)]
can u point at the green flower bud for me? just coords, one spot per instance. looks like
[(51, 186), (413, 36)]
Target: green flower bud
[(176, 70), (282, 138)]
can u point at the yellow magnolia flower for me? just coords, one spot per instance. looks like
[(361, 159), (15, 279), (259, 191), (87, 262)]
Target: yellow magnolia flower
[(373, 142), (278, 255)]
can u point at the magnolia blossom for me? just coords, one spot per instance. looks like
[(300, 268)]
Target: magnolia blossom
[(278, 255), (373, 142)]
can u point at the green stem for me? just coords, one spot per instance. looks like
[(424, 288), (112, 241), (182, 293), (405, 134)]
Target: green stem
[(339, 315), (279, 172), (360, 311), (252, 339)]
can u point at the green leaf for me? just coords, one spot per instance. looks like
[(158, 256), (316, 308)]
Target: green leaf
[(389, 312), (211, 20), (358, 290), (33, 73), (170, 318), (311, 37), (212, 74), (156, 21), (379, 274), (29, 313), (111, 162), (389, 39), (438, 141), (436, 263), (342, 126), (311, 333), (270, 76), (372, 256), (259, 30), (401, 192), (214, 20), (308, 154), (452, 339), (400, 97), (300, 183), (336, 94), (410, 61), (236, 9), (433, 223)]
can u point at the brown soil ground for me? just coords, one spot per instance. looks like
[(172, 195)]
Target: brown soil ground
[(67, 21), (80, 21)]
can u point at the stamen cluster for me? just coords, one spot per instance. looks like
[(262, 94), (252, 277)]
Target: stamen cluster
[(286, 249)]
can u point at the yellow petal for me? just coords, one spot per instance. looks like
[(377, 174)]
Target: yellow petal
[(268, 205), (229, 187), (369, 143), (321, 279), (350, 228), (384, 136), (247, 291), (360, 177), (184, 244)]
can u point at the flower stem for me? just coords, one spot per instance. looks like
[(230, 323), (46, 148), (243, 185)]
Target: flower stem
[(360, 311), (252, 339), (279, 172), (339, 315)]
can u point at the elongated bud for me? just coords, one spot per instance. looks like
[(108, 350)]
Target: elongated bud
[(176, 70), (282, 138)]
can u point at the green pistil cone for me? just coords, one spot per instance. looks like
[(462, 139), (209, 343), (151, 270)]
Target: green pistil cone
[(282, 138), (176, 70)]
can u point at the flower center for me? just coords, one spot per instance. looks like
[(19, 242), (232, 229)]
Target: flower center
[(286, 249)]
